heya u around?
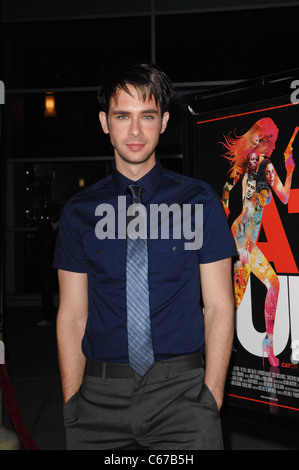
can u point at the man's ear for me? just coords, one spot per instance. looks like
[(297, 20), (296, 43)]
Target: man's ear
[(165, 119), (104, 122)]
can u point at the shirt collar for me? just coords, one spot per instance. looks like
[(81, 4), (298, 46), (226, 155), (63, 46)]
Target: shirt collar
[(149, 182)]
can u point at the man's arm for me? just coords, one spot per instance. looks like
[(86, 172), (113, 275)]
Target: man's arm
[(71, 322), (217, 292)]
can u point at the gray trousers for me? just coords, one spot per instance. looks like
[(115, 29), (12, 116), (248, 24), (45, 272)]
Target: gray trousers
[(164, 410)]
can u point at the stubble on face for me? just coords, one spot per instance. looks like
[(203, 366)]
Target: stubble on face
[(134, 125)]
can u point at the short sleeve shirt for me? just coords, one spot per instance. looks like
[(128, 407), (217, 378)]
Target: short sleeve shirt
[(187, 226)]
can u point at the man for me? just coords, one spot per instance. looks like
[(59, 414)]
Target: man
[(250, 187), (108, 404), (253, 162)]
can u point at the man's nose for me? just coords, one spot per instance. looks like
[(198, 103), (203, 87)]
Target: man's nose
[(135, 128)]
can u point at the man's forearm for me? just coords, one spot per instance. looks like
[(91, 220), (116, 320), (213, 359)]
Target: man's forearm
[(71, 359), (219, 331)]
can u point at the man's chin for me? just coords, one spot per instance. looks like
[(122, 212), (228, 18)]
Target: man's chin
[(135, 161)]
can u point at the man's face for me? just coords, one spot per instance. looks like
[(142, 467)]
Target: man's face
[(134, 127), (253, 162), (250, 188), (263, 196)]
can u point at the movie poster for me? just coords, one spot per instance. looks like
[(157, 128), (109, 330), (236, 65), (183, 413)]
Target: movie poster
[(250, 155)]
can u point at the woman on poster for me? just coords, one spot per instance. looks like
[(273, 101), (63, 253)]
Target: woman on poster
[(260, 140), (245, 230)]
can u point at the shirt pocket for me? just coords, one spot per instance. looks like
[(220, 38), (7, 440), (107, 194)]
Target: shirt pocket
[(170, 260), (102, 261)]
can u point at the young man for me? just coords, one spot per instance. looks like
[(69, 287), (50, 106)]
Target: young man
[(174, 403)]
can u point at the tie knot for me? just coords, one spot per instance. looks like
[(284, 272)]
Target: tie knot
[(135, 190)]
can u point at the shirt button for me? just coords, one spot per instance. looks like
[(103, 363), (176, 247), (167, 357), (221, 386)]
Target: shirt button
[(97, 252), (174, 248)]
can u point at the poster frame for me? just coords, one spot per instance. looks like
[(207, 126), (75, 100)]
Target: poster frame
[(246, 97)]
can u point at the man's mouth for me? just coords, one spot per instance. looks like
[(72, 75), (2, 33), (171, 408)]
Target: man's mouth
[(135, 147)]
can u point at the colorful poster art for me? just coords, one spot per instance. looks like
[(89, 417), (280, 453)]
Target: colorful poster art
[(256, 154)]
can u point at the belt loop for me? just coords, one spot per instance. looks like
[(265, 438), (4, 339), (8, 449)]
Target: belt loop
[(104, 370)]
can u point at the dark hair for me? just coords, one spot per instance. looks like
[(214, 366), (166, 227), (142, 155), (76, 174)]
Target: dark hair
[(261, 175), (251, 177), (148, 79), (262, 185), (250, 153)]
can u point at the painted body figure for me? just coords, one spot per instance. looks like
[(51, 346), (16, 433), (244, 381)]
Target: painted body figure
[(245, 230), (251, 152)]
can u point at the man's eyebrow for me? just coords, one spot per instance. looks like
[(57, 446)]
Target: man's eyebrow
[(120, 111), (150, 111), (144, 111)]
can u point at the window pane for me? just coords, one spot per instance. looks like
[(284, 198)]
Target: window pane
[(72, 53), (75, 130), (229, 45)]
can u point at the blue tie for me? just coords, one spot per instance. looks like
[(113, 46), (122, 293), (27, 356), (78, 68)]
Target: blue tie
[(140, 348)]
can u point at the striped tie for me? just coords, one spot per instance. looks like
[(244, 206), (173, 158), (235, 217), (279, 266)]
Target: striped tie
[(140, 348)]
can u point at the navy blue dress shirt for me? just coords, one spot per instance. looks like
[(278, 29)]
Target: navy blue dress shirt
[(174, 277)]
